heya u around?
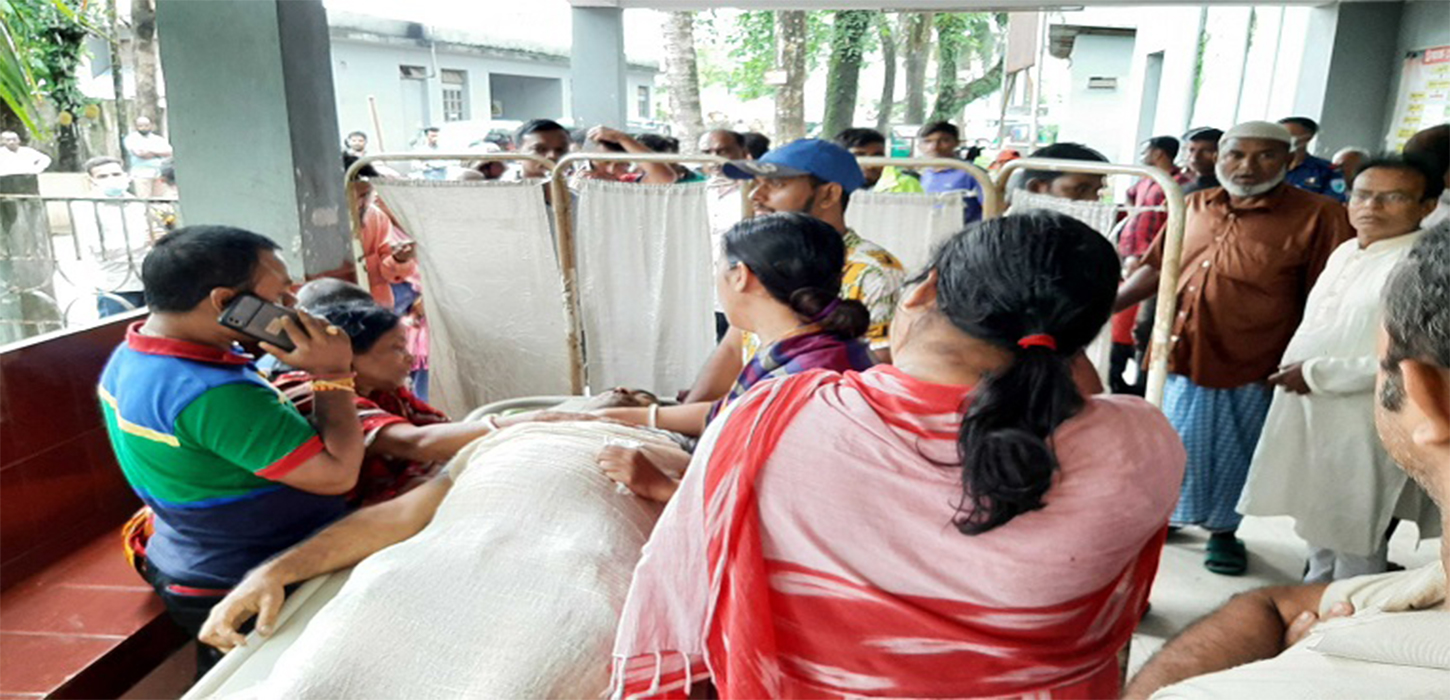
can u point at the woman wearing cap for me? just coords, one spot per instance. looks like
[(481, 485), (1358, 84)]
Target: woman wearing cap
[(963, 523), (780, 279)]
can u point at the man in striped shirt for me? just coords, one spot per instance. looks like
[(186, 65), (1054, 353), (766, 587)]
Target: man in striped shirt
[(231, 470)]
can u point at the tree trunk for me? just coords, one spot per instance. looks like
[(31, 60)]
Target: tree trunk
[(682, 79), (117, 84), (887, 103), (148, 102), (790, 96), (949, 30), (843, 75), (916, 35)]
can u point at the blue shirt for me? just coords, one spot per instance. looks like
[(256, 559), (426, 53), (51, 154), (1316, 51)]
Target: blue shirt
[(952, 180), (1320, 177)]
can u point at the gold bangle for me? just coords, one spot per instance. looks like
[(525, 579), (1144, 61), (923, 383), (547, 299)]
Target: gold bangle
[(333, 385)]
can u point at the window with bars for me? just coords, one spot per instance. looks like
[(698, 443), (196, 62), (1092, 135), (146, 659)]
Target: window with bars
[(455, 95)]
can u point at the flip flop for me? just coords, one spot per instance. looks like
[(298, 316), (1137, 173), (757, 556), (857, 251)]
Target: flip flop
[(1226, 557)]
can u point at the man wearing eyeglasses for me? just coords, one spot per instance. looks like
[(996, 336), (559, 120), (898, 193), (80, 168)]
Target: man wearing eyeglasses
[(1319, 460)]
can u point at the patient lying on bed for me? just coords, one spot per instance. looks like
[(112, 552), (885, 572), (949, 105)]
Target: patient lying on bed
[(469, 588)]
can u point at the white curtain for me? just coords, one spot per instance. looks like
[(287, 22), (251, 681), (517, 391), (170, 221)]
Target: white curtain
[(909, 225), (646, 284), (491, 289)]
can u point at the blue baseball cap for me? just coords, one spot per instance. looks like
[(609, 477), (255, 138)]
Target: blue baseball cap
[(823, 159)]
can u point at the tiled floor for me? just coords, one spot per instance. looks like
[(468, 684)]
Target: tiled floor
[(1185, 591)]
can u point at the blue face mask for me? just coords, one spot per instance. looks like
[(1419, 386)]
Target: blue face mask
[(115, 191)]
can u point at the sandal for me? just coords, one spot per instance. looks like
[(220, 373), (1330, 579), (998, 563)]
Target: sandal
[(1226, 557)]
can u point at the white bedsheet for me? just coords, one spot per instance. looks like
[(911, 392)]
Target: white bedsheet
[(910, 225), (512, 591), (491, 289), (646, 284)]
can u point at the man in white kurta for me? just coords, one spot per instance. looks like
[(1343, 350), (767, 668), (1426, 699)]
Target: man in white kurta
[(1319, 459)]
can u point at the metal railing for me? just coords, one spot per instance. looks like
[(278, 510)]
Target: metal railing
[(991, 196), (1161, 343), (58, 253)]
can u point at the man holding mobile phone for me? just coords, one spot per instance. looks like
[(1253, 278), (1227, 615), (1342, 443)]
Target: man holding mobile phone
[(231, 470)]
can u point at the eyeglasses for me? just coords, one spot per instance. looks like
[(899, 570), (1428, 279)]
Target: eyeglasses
[(1385, 198)]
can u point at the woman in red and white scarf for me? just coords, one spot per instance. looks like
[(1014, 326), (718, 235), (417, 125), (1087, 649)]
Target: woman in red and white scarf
[(964, 523)]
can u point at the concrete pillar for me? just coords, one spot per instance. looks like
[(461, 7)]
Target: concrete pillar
[(254, 123), (597, 67)]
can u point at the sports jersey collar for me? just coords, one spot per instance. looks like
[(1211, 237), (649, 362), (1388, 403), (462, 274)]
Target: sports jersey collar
[(186, 350)]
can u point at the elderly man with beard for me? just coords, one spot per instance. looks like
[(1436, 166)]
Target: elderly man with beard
[(1252, 250)]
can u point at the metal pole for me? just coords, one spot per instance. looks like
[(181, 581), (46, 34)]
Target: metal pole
[(377, 124), (1037, 79), (1172, 251), (991, 197)]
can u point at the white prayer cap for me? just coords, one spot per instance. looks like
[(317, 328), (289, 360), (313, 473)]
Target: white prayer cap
[(1259, 130)]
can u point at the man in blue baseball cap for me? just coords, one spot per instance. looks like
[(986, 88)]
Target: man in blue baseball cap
[(813, 177)]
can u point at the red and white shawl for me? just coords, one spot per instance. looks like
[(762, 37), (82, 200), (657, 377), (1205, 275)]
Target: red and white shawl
[(814, 556)]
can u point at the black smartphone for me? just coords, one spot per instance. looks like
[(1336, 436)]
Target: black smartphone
[(259, 319)]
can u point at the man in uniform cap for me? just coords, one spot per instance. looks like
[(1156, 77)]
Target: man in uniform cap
[(1252, 250)]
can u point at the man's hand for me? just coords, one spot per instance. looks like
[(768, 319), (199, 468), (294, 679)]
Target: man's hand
[(322, 348), (404, 252), (258, 594), (1304, 624), (632, 468), (604, 134), (1291, 378)]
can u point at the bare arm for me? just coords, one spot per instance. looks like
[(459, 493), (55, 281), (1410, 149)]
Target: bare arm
[(427, 443), (1251, 627), (686, 419), (654, 173), (720, 370), (324, 350), (1140, 285), (338, 546)]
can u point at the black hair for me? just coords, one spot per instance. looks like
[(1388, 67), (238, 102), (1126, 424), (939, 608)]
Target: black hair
[(97, 162), (735, 136), (1417, 319), (799, 259), (1060, 151), (845, 196), (537, 125), (857, 137), (1207, 133), (657, 143), (940, 128), (430, 130), (1000, 281), (363, 321), (1167, 144), (1305, 122), (327, 291), (1434, 181), (186, 264), (366, 171), (354, 133), (168, 172), (755, 144), (1431, 145)]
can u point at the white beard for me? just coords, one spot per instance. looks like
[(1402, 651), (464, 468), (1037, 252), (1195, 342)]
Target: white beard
[(1254, 191)]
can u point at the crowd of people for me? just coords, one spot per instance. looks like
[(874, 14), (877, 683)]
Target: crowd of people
[(884, 482)]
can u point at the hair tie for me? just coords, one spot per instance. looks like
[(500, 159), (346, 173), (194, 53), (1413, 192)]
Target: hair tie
[(1038, 340), (826, 312)]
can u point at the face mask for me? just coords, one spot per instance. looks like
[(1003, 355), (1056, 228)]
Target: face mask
[(114, 191)]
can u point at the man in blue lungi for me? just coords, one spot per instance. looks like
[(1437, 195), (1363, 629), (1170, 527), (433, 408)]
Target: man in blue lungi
[(1252, 250)]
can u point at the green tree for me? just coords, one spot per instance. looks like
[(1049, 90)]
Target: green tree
[(45, 40), (790, 98), (916, 50), (965, 40), (843, 74), (887, 104)]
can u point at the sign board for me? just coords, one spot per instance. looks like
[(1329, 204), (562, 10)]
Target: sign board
[(1023, 33), (1424, 99)]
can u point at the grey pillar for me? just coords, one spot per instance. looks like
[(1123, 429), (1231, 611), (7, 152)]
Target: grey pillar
[(597, 67), (254, 124)]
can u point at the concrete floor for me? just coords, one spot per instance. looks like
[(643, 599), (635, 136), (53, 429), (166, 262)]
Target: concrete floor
[(1185, 591)]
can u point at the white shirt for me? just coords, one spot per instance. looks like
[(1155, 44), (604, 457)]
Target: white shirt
[(113, 239), (150, 143), (1320, 459), (23, 161)]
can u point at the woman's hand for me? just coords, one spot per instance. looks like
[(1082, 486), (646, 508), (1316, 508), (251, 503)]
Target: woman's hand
[(633, 468)]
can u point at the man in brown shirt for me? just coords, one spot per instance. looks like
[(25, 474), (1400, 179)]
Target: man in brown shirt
[(1252, 250)]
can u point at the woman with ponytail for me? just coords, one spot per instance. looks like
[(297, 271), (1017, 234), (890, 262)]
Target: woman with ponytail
[(963, 523), (779, 278)]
